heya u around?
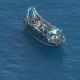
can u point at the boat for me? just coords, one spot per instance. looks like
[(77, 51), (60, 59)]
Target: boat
[(42, 30)]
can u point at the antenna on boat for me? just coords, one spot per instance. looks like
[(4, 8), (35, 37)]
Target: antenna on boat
[(35, 12), (28, 12)]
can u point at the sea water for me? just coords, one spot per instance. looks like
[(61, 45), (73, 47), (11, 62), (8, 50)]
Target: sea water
[(24, 58)]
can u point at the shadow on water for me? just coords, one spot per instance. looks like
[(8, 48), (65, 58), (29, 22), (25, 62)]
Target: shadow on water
[(44, 50)]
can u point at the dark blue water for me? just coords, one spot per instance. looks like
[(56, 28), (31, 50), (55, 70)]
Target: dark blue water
[(24, 58)]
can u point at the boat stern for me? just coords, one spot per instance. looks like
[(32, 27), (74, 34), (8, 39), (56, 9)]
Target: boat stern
[(56, 37)]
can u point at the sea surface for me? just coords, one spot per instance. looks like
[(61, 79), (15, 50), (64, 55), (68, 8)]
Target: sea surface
[(24, 58)]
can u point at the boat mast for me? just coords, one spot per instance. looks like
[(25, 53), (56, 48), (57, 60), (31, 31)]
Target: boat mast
[(32, 12)]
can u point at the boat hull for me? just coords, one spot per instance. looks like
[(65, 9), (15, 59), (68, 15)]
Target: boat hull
[(39, 36)]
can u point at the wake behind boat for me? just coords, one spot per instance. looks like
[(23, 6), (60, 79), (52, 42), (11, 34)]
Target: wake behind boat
[(42, 30)]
